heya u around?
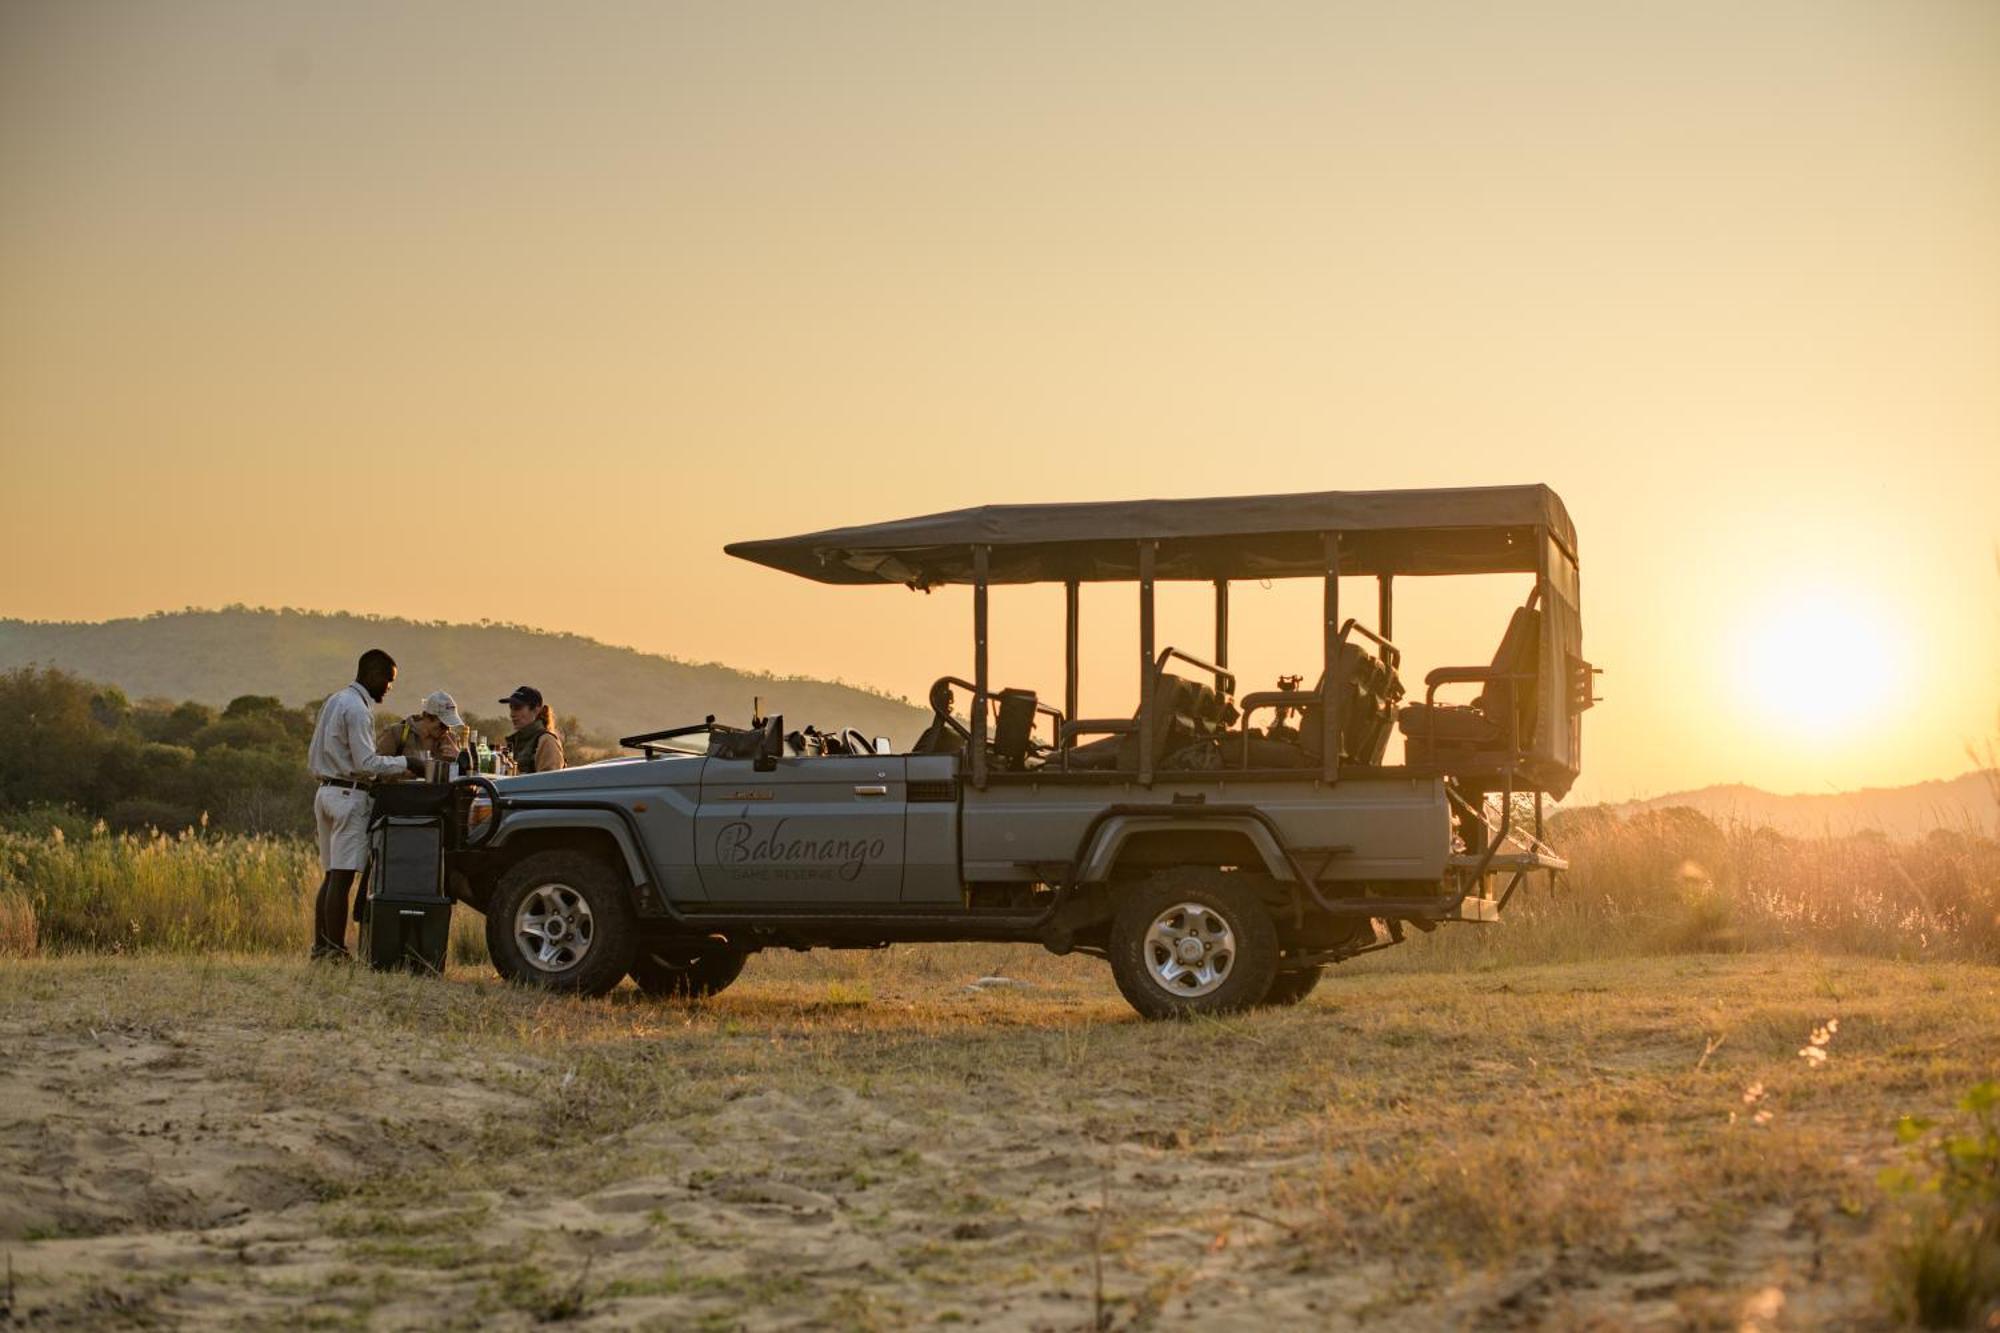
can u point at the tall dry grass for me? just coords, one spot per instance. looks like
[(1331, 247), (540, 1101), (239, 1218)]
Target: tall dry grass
[(1665, 881), (1673, 881), (158, 892), (189, 892)]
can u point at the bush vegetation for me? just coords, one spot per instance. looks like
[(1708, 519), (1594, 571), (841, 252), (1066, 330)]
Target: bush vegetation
[(1945, 1271), (83, 752), (83, 747)]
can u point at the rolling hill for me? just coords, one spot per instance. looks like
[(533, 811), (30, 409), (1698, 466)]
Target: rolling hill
[(213, 656), (1963, 802)]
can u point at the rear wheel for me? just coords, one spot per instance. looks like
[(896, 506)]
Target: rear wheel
[(563, 921), (685, 972), (1291, 987), (1193, 943)]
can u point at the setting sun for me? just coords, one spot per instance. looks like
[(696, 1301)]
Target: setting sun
[(1817, 666)]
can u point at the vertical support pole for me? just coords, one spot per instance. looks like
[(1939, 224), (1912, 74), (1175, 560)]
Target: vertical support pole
[(1222, 622), (1385, 606), (1071, 616), (1147, 552), (1329, 712), (981, 560)]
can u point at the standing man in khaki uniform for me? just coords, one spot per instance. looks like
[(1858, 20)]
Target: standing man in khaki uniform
[(431, 734), (535, 744), (342, 756)]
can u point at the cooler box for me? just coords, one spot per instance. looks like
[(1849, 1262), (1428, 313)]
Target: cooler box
[(409, 915)]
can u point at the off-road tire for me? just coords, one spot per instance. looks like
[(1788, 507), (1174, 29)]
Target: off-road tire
[(667, 972), (1293, 986), (614, 930), (1233, 899)]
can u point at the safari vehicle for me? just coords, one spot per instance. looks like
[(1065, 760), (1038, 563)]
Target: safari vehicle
[(1219, 847)]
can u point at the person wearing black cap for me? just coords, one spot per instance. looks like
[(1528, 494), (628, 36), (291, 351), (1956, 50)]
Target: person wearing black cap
[(536, 744)]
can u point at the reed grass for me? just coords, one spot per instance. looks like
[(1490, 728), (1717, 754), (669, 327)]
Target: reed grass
[(1674, 882), (1661, 882), (190, 892)]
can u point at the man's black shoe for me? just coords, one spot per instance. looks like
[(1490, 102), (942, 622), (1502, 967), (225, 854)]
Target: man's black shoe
[(327, 953)]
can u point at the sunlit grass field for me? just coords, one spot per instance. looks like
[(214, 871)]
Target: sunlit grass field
[(880, 1140), (1664, 882)]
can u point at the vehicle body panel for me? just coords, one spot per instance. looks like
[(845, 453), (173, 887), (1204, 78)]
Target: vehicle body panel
[(661, 796), (824, 826), (1397, 827), (931, 872)]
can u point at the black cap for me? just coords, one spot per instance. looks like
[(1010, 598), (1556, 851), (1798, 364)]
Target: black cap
[(524, 694)]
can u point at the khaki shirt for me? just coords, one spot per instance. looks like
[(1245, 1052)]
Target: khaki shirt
[(401, 738)]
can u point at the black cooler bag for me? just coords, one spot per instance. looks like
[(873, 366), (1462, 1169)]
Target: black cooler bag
[(409, 915)]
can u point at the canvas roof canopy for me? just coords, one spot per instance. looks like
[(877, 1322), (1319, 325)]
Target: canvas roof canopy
[(1460, 530)]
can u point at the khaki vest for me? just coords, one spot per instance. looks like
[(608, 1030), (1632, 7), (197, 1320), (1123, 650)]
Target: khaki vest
[(523, 743)]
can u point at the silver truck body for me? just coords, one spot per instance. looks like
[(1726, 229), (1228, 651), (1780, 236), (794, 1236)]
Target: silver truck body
[(843, 831)]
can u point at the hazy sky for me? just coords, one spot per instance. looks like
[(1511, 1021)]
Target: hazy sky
[(520, 312)]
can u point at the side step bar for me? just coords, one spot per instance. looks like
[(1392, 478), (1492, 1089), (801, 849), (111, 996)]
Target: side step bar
[(1436, 907), (1533, 858)]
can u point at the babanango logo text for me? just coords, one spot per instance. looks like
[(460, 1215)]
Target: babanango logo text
[(740, 846)]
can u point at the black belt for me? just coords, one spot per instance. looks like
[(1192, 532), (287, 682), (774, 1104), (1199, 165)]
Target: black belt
[(345, 782)]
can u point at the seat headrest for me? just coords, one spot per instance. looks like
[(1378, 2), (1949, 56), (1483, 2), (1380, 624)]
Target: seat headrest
[(1517, 646), (1519, 653)]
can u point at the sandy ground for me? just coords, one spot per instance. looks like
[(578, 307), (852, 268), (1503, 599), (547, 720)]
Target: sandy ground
[(879, 1141)]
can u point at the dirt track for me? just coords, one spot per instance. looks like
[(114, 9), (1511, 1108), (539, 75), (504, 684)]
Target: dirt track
[(871, 1143)]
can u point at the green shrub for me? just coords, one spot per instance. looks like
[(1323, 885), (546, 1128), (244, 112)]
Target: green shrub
[(1946, 1272)]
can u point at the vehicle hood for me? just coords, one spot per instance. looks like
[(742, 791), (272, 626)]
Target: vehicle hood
[(605, 773)]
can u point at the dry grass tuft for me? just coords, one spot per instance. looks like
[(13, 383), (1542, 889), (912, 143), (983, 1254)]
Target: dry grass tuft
[(19, 937)]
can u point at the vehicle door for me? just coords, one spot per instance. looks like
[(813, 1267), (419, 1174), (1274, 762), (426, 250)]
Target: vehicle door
[(816, 829)]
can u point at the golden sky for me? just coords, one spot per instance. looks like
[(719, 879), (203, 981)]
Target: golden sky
[(521, 311)]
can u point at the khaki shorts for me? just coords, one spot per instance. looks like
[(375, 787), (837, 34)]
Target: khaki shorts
[(340, 815)]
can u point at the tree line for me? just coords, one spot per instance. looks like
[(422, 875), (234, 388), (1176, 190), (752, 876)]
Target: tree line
[(82, 747)]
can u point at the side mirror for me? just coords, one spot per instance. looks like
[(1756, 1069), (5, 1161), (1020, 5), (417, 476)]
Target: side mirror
[(883, 745), (769, 746)]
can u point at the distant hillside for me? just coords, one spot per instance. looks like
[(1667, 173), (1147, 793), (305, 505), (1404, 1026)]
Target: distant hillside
[(1963, 802), (213, 656)]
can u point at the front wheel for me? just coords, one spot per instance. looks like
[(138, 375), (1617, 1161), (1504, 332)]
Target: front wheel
[(1185, 945), (563, 921), (670, 972)]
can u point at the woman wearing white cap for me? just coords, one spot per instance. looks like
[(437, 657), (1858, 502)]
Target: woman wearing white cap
[(431, 734)]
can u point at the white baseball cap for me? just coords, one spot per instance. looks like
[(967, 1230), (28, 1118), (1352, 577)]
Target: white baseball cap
[(444, 708)]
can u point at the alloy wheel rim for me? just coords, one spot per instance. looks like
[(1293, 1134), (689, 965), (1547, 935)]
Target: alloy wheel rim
[(1190, 949), (554, 928)]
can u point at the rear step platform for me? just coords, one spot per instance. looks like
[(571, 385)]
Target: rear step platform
[(1482, 910), (1533, 858)]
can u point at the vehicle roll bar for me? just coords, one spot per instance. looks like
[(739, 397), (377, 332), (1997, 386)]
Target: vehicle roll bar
[(648, 741), (1225, 679)]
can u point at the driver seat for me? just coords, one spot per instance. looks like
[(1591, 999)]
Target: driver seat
[(941, 736), (938, 738)]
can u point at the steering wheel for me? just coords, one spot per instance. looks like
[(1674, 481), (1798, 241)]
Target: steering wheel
[(941, 708), (856, 742)]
